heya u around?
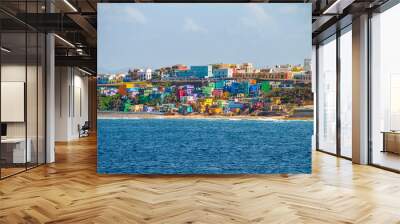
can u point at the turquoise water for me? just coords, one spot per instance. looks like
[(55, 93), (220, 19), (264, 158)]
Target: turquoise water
[(203, 146)]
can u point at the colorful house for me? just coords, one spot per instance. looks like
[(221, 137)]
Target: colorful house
[(137, 108), (276, 100), (214, 110), (202, 71), (183, 74), (188, 99), (222, 73), (222, 103), (265, 87), (167, 107), (217, 93), (185, 109), (207, 90), (199, 72), (208, 101), (220, 84), (180, 93), (254, 89), (189, 89), (235, 106), (239, 87)]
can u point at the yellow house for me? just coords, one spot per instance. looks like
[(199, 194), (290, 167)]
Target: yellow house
[(225, 95), (137, 108), (203, 104), (215, 110), (297, 69), (208, 102), (276, 100), (129, 85)]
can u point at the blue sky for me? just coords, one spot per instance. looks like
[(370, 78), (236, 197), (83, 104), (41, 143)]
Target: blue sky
[(157, 35)]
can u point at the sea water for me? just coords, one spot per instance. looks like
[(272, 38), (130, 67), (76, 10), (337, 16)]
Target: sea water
[(203, 146)]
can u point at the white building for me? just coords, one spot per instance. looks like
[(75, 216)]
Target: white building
[(148, 74), (307, 65), (247, 67), (145, 74)]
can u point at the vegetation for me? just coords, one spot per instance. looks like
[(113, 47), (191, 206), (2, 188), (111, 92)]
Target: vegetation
[(111, 103), (292, 96)]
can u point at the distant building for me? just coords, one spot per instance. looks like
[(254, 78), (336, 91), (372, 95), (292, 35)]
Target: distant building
[(148, 74), (265, 74), (302, 76), (179, 67), (247, 67), (164, 75), (220, 66), (133, 74), (297, 68), (157, 74), (307, 65), (199, 72), (116, 78), (281, 68), (202, 71), (222, 73), (102, 79), (183, 73), (280, 75), (141, 74), (145, 74)]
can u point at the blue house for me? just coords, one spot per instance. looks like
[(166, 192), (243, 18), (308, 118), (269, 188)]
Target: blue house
[(202, 71), (223, 73), (254, 89), (183, 74), (199, 72)]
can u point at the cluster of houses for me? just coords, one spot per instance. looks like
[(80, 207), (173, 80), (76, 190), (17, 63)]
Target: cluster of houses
[(213, 97), (299, 73)]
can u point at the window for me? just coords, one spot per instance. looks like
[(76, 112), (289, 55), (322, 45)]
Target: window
[(346, 93), (23, 78), (327, 95), (385, 89)]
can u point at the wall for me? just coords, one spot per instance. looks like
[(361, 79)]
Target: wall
[(360, 90), (71, 102), (92, 98), (314, 90), (16, 73), (33, 127)]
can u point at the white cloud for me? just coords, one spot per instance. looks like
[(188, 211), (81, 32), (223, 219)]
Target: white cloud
[(191, 26), (258, 12), (135, 15), (257, 16)]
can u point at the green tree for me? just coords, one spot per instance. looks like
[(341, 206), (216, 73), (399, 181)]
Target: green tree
[(127, 105), (104, 103)]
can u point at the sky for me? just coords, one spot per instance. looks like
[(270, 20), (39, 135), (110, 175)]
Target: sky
[(151, 35)]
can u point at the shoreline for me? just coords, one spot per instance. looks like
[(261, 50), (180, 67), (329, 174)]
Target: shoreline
[(123, 115)]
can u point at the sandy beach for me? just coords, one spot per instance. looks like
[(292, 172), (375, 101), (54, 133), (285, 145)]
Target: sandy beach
[(124, 115)]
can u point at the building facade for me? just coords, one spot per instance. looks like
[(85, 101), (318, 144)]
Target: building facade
[(222, 73)]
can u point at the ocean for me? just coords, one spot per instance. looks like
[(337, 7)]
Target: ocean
[(203, 146)]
